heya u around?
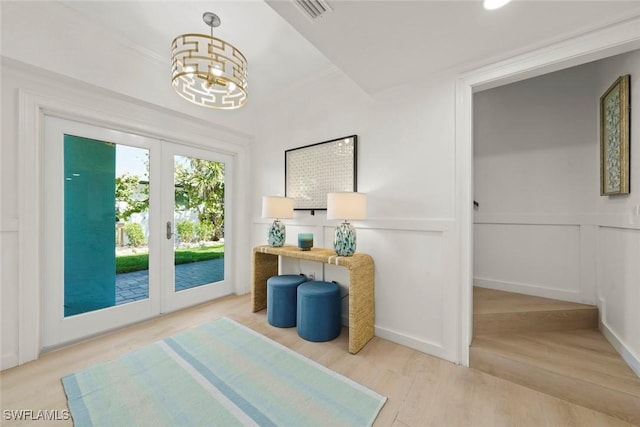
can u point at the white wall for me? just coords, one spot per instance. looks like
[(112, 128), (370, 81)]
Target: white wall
[(406, 167), (542, 227), (536, 181), (619, 230)]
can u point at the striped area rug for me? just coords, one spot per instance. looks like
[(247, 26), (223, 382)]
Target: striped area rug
[(219, 374)]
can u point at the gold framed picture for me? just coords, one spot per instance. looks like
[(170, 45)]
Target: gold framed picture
[(614, 138)]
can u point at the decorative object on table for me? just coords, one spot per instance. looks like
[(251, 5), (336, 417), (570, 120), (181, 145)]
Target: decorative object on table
[(313, 171), (614, 138), (209, 71), (220, 373), (305, 241), (277, 207), (346, 206)]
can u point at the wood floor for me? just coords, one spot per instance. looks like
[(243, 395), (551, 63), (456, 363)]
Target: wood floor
[(422, 390), (554, 347)]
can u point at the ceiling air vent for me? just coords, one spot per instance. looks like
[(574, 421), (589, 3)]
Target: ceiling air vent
[(313, 9)]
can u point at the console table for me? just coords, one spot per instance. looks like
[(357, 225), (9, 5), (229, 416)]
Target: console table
[(361, 286)]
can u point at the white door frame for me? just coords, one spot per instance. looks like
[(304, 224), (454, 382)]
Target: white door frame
[(599, 44), (172, 300), (56, 328)]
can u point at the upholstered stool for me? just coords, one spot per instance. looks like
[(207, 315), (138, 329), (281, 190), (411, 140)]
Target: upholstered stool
[(319, 311), (281, 299)]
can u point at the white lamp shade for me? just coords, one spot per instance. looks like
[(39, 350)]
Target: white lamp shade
[(277, 207), (346, 206)]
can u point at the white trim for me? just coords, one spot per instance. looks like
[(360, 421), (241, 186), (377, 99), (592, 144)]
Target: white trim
[(598, 44), (464, 214), (405, 224), (529, 289), (431, 348), (31, 120), (9, 360), (623, 220), (9, 225), (627, 355), (536, 219)]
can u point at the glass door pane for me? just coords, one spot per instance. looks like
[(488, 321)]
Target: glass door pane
[(106, 213), (96, 183), (198, 214), (132, 224)]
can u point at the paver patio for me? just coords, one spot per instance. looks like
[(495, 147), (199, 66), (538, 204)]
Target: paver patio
[(134, 286)]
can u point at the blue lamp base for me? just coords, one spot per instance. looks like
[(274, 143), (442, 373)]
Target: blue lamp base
[(277, 234), (344, 241)]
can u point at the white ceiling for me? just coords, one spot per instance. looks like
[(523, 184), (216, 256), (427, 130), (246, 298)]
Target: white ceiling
[(250, 25), (377, 44), (383, 43)]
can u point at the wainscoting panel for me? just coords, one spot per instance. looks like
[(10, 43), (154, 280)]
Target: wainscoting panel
[(8, 279), (413, 282), (535, 259), (619, 289), (409, 281)]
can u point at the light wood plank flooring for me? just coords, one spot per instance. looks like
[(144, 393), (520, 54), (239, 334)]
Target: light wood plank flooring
[(554, 347), (498, 311), (422, 390)]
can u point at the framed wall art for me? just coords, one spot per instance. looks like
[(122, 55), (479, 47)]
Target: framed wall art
[(614, 138), (312, 171)]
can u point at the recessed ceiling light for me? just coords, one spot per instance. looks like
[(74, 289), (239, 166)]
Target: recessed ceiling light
[(494, 4)]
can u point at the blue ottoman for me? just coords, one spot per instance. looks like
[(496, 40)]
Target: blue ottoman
[(319, 311), (281, 299)]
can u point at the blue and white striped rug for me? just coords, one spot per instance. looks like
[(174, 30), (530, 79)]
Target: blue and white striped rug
[(219, 374)]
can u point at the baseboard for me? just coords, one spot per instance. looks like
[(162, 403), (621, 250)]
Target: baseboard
[(415, 343), (8, 361), (632, 359), (534, 290)]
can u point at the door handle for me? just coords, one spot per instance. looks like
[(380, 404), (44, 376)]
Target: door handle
[(169, 230)]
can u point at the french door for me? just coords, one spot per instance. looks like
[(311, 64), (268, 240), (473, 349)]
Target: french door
[(133, 227)]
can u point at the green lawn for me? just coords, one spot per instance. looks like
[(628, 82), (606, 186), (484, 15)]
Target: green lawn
[(136, 262)]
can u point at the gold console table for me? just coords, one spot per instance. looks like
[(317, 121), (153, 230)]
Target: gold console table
[(361, 286)]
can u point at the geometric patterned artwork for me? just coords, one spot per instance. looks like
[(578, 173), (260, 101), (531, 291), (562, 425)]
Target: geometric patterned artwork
[(314, 170), (614, 138)]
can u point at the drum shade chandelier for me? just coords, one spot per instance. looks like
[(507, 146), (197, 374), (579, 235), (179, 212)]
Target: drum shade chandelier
[(209, 71)]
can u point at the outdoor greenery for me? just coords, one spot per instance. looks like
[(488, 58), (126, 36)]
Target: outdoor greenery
[(134, 234), (136, 262), (205, 231), (200, 187), (186, 231), (132, 196)]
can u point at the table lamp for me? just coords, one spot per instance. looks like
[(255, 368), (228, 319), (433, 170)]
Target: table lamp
[(277, 207), (346, 206)]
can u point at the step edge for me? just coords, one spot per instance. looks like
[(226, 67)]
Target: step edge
[(546, 369), (630, 417)]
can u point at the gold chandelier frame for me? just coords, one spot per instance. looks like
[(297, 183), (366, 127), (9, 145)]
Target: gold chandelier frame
[(208, 71)]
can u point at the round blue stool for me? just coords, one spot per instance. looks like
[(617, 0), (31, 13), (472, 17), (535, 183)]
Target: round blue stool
[(319, 311), (282, 299)]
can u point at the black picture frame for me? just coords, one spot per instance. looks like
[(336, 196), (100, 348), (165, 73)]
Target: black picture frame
[(312, 171)]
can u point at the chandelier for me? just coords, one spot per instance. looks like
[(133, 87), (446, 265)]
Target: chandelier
[(209, 71)]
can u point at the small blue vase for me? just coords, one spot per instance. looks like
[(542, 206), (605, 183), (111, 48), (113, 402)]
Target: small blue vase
[(344, 242), (277, 234)]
